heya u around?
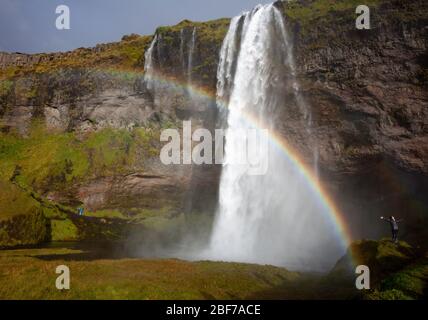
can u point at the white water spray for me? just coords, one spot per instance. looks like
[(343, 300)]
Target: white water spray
[(274, 218)]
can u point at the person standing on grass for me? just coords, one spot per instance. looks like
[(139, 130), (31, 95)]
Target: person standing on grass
[(394, 227)]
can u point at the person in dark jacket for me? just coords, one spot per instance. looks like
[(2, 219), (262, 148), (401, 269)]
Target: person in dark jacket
[(394, 226)]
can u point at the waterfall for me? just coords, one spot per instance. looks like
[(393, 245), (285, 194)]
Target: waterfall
[(149, 70), (187, 62), (275, 218), (162, 91), (186, 58), (190, 56), (182, 42), (227, 62)]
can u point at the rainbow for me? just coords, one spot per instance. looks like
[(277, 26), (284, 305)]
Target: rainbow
[(334, 215)]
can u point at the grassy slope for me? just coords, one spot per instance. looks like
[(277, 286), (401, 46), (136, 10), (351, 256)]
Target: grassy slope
[(58, 159), (408, 283), (396, 271), (135, 279), (34, 277), (14, 201), (22, 221)]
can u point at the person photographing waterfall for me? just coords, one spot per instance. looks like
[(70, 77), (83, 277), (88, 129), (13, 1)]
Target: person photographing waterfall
[(394, 226)]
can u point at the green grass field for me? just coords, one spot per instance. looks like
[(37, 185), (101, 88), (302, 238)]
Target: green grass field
[(30, 274), (25, 275)]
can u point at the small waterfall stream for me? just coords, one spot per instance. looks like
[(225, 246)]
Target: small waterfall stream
[(149, 70), (190, 56), (186, 56)]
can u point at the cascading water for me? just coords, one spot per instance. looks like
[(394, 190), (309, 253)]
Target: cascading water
[(149, 67), (182, 42), (187, 53), (275, 218), (190, 57), (189, 47)]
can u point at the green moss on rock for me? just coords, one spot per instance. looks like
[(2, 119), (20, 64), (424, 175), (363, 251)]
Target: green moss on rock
[(55, 160), (5, 87), (64, 230), (308, 11), (22, 221)]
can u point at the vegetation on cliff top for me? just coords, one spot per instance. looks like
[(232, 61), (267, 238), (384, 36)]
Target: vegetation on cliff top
[(306, 12), (330, 13), (210, 31), (128, 54), (124, 55), (174, 42)]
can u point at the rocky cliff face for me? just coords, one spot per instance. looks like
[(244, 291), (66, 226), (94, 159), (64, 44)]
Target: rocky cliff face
[(367, 93), (91, 89), (87, 127)]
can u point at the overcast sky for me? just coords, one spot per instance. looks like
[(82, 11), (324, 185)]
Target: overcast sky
[(29, 25)]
